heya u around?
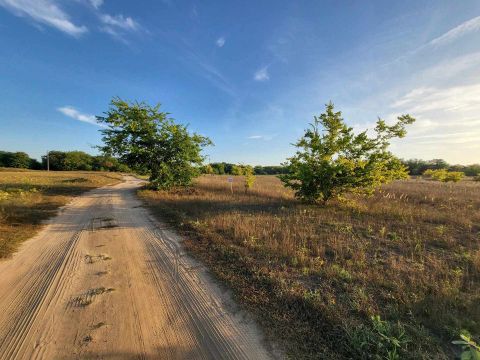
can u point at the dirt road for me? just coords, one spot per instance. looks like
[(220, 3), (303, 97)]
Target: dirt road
[(104, 280)]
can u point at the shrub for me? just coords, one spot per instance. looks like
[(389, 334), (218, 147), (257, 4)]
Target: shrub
[(439, 174), (444, 175), (332, 160), (454, 176)]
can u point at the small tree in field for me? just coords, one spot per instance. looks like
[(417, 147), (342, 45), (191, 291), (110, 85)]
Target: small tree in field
[(332, 160), (147, 140), (249, 175)]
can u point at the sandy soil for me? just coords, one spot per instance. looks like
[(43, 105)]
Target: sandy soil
[(104, 280)]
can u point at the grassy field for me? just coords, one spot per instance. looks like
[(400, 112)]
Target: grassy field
[(28, 197), (396, 275)]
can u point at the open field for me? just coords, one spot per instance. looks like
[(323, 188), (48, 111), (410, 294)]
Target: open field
[(396, 275), (28, 197)]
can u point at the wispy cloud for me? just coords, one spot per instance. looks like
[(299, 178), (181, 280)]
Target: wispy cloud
[(118, 26), (262, 137), (456, 98), (458, 31), (220, 41), (45, 12), (452, 68), (96, 3), (262, 74), (73, 113), (191, 58), (119, 21), (445, 116), (194, 12)]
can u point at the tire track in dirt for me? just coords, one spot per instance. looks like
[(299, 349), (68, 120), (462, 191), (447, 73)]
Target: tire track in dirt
[(106, 280), (34, 292)]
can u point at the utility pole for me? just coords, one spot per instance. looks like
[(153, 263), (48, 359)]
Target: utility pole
[(48, 160)]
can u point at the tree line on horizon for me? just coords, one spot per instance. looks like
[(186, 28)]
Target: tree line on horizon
[(82, 161), (62, 161)]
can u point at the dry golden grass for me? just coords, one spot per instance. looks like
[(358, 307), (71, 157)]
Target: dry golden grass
[(28, 197), (316, 275)]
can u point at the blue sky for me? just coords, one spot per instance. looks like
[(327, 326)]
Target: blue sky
[(248, 74)]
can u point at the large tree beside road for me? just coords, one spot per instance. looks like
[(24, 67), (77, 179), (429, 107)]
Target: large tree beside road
[(149, 141)]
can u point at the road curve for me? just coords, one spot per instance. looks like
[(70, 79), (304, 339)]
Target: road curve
[(104, 280)]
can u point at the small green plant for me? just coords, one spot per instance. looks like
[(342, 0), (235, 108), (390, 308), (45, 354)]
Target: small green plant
[(382, 339), (393, 337), (341, 272), (470, 349)]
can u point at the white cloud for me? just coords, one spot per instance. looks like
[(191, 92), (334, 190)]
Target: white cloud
[(262, 74), (458, 31), (96, 3), (423, 100), (45, 12), (220, 41), (119, 21), (453, 68), (448, 122), (117, 26), (73, 113), (262, 137)]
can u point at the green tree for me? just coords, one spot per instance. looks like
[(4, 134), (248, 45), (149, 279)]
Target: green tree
[(207, 169), (146, 139), (77, 160), (218, 168), (17, 159), (332, 160), (56, 160), (237, 170), (249, 175)]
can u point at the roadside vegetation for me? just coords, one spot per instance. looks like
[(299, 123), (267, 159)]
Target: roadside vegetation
[(395, 275), (29, 197)]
